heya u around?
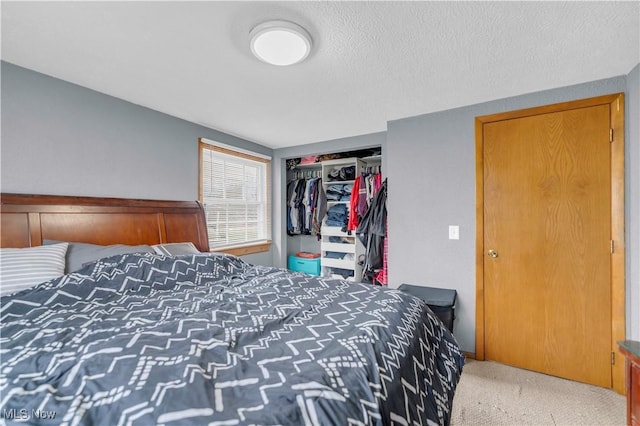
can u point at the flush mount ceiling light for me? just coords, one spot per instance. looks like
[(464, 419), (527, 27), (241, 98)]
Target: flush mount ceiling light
[(280, 43)]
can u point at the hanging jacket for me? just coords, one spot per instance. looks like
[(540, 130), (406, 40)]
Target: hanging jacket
[(290, 188), (353, 205), (371, 232), (362, 196), (296, 211), (320, 209)]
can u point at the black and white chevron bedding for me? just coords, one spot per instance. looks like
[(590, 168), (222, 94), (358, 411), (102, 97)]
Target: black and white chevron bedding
[(211, 340)]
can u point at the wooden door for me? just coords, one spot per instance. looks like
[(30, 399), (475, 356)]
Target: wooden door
[(547, 232)]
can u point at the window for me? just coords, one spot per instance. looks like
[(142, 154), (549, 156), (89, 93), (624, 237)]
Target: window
[(235, 191)]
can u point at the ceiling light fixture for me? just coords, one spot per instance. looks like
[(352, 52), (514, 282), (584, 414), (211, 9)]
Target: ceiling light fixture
[(280, 43)]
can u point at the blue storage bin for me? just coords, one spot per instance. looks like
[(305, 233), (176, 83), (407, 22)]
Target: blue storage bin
[(303, 264)]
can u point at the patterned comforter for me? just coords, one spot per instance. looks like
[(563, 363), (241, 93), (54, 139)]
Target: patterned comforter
[(209, 339)]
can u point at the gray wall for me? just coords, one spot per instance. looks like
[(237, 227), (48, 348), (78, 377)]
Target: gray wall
[(431, 169), (62, 139)]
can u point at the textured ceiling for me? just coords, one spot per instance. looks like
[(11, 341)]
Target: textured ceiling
[(371, 61)]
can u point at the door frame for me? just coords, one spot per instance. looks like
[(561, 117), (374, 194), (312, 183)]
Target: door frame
[(618, 321)]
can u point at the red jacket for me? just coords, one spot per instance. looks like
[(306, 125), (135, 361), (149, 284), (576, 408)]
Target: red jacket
[(353, 205)]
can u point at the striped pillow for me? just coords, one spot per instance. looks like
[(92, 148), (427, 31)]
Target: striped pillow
[(22, 268)]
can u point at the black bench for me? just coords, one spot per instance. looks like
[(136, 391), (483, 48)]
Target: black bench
[(440, 300)]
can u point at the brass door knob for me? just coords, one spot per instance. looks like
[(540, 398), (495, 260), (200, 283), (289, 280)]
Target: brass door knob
[(493, 253)]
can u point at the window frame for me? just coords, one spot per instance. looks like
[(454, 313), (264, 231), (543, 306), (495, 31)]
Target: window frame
[(259, 246)]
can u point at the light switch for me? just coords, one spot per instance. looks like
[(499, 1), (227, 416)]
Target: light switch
[(454, 232)]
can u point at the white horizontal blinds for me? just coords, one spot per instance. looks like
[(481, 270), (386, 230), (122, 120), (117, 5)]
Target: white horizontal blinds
[(236, 197)]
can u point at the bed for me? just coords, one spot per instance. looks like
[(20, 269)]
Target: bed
[(204, 338)]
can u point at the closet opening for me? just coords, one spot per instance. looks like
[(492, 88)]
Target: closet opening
[(335, 206)]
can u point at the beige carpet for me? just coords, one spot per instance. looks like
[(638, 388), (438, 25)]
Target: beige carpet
[(494, 394)]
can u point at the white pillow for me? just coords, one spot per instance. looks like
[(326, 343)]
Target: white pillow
[(22, 268), (176, 249)]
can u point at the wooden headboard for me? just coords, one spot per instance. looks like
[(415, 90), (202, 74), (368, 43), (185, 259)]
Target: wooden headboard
[(26, 220)]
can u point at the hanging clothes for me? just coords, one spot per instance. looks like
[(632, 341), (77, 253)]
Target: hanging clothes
[(311, 206), (353, 206), (295, 217), (306, 205), (371, 232), (362, 205), (320, 209), (290, 188), (365, 187), (382, 277)]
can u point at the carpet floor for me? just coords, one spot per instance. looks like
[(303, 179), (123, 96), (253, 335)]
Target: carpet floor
[(495, 394)]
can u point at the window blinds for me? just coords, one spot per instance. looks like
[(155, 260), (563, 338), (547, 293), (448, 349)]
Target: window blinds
[(235, 192)]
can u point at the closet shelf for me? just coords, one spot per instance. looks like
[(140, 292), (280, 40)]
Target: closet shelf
[(337, 263), (334, 231), (308, 166), (330, 265), (339, 247), (337, 182)]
